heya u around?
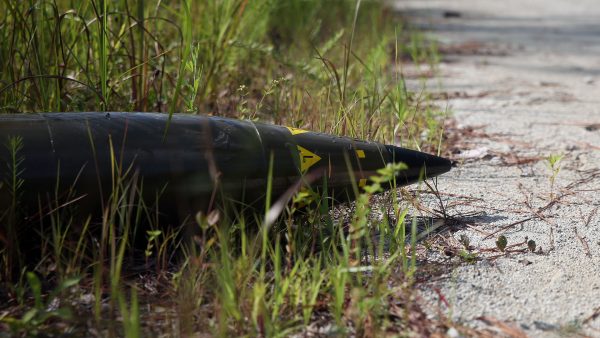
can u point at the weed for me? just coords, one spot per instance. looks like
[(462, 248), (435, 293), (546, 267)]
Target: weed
[(554, 166), (464, 240), (11, 255), (131, 315), (501, 242), (468, 257), (32, 321), (571, 329), (153, 237), (531, 245)]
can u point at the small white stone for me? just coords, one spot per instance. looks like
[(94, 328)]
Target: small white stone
[(87, 298), (453, 333)]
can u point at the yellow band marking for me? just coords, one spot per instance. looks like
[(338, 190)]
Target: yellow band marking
[(360, 153), (296, 131), (307, 159)]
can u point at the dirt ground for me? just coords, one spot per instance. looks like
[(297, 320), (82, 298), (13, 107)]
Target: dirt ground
[(522, 80)]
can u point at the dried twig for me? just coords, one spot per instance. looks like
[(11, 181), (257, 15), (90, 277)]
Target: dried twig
[(593, 316), (508, 330), (508, 226), (584, 243), (590, 216)]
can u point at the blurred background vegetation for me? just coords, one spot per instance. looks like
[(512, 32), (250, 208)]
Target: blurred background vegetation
[(323, 65)]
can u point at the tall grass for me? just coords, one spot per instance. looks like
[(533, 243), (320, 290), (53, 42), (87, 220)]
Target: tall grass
[(282, 278), (10, 216), (321, 65)]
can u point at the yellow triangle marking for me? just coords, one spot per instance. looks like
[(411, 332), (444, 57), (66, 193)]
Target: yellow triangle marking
[(307, 159), (360, 153), (296, 131)]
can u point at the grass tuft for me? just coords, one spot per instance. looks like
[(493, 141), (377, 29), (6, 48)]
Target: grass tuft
[(297, 268)]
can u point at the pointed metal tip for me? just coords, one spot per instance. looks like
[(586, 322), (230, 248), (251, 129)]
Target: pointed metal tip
[(417, 161)]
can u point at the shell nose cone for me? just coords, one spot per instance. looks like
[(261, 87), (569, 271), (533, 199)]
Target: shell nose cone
[(416, 161)]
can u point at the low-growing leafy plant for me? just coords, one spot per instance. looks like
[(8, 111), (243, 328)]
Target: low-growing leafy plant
[(531, 245), (32, 321), (501, 243), (468, 257)]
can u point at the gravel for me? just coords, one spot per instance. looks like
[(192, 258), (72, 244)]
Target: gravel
[(525, 76)]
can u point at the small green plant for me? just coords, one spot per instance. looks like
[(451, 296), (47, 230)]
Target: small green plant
[(554, 162), (192, 67), (573, 328), (531, 245), (465, 241), (130, 314), (468, 257), (32, 321), (152, 241), (501, 243)]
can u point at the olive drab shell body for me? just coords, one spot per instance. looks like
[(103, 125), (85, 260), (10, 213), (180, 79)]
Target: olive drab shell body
[(184, 161)]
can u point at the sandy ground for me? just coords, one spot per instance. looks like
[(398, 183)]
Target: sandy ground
[(525, 76)]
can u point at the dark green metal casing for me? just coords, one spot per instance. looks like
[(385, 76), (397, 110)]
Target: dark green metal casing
[(191, 160)]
